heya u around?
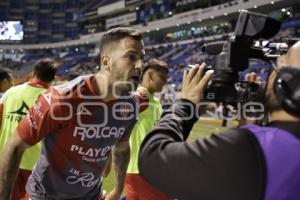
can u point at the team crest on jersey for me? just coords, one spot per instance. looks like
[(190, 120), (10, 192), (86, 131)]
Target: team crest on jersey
[(125, 110)]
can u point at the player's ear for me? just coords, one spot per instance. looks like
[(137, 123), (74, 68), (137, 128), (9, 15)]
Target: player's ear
[(105, 62)]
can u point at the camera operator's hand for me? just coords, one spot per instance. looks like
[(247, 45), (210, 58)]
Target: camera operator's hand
[(252, 116), (194, 83)]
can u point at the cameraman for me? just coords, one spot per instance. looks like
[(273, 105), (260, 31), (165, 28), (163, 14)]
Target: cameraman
[(248, 163)]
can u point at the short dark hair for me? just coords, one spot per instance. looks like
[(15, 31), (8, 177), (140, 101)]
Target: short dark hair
[(155, 64), (45, 69), (4, 74), (114, 35)]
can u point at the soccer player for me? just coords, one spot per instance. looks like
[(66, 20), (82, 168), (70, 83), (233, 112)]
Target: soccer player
[(80, 123), (14, 106), (154, 77)]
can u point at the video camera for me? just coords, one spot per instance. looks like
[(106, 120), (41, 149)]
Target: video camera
[(233, 56)]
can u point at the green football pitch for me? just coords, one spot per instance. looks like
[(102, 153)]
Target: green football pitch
[(201, 129)]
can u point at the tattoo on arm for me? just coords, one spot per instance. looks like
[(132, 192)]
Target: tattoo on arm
[(121, 155)]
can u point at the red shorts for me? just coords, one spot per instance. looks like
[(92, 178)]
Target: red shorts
[(136, 188), (18, 191)]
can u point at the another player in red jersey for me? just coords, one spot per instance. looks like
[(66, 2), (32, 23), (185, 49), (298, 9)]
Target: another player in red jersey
[(80, 123)]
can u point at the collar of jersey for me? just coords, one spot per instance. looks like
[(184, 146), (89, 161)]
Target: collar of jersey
[(38, 83), (90, 87)]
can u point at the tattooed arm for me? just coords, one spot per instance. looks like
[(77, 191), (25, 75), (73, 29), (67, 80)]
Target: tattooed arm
[(9, 164), (107, 166), (121, 155)]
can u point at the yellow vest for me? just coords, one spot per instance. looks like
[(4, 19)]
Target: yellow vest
[(147, 119), (17, 100)]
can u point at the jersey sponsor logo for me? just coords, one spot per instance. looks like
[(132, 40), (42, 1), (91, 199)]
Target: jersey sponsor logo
[(84, 179), (31, 123), (95, 132), (22, 110), (94, 160), (37, 110), (91, 152), (16, 116)]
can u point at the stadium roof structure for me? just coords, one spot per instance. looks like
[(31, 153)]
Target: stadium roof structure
[(193, 16)]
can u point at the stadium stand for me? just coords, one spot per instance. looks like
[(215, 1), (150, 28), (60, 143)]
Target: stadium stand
[(174, 31)]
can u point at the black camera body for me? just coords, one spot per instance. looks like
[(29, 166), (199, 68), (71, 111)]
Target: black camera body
[(233, 56)]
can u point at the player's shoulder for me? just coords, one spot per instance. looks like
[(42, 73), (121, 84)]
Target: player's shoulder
[(70, 86), (12, 91), (141, 97), (15, 88), (71, 90)]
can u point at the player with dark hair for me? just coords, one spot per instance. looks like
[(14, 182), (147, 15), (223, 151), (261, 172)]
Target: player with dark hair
[(14, 106), (45, 70), (154, 77), (80, 123)]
